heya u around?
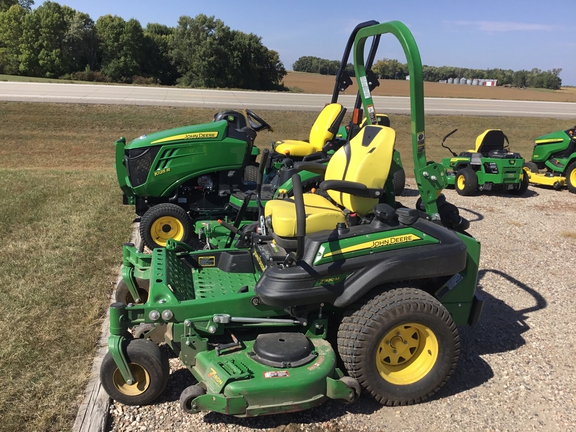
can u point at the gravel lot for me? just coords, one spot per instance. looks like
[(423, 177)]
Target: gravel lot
[(516, 370)]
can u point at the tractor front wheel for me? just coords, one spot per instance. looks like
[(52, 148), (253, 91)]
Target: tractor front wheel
[(149, 367), (163, 222), (401, 345), (399, 181), (466, 182), (571, 177)]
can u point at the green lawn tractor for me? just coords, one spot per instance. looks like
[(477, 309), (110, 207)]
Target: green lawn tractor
[(554, 160), (489, 166), (345, 275)]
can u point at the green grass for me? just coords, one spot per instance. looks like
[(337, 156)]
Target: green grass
[(64, 224)]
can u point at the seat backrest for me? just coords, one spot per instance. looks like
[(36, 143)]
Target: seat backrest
[(490, 140), (326, 125), (365, 159)]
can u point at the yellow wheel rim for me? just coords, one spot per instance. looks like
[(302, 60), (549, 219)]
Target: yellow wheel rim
[(166, 227), (573, 177), (140, 386), (461, 182), (407, 354)]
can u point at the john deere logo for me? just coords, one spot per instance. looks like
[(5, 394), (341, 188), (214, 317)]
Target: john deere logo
[(188, 136)]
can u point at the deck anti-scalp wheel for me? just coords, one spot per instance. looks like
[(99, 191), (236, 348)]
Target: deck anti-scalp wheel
[(165, 221), (466, 183), (123, 294), (150, 369), (401, 345)]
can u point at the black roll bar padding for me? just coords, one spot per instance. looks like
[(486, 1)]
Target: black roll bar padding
[(300, 215), (346, 54)]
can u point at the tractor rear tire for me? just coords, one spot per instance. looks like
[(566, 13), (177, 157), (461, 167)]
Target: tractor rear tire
[(163, 222), (466, 182), (530, 166), (522, 186), (401, 345), (150, 368), (571, 177), (399, 181), (123, 293)]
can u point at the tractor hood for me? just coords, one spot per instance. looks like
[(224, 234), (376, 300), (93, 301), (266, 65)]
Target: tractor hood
[(214, 131), (551, 138)]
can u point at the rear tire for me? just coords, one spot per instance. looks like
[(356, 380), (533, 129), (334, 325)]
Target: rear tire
[(466, 182), (399, 181), (571, 177), (522, 186), (150, 369), (530, 166), (401, 345), (165, 221)]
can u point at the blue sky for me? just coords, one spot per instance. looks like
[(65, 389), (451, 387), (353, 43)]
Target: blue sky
[(519, 34)]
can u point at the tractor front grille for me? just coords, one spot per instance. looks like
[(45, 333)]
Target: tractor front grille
[(138, 163)]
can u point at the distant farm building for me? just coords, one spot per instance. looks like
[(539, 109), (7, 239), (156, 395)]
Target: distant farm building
[(475, 82)]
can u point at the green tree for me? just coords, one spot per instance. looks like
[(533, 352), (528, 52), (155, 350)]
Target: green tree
[(156, 47), (121, 46), (81, 42), (42, 49), (11, 29), (7, 4), (200, 49)]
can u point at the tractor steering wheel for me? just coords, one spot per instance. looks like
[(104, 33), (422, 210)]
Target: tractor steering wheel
[(256, 122)]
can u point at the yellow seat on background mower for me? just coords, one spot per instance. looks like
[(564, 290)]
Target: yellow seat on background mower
[(490, 140), (323, 130), (366, 159)]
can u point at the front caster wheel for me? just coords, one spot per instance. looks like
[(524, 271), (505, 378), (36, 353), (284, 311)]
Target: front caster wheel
[(401, 345), (150, 369)]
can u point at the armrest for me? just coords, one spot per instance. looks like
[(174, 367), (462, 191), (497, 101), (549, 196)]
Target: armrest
[(315, 167), (352, 188)]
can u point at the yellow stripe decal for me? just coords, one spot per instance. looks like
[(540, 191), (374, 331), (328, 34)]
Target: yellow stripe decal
[(405, 238), (547, 141), (195, 135)]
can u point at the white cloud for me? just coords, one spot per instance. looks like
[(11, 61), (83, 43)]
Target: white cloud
[(501, 26)]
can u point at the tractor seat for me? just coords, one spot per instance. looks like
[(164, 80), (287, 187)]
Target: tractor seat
[(323, 130), (491, 140), (354, 179)]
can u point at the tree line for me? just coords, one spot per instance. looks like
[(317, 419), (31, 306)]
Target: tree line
[(56, 41), (393, 69)]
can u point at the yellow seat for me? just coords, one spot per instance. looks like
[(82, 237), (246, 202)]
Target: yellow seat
[(323, 130), (365, 160)]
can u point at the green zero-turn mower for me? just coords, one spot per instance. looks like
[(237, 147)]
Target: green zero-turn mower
[(554, 160), (344, 274), (489, 166)]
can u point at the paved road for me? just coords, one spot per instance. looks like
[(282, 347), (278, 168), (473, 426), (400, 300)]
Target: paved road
[(132, 95)]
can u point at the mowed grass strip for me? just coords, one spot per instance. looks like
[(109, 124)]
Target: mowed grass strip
[(64, 226)]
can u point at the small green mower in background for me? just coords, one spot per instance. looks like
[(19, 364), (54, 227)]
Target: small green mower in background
[(489, 166), (554, 160)]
